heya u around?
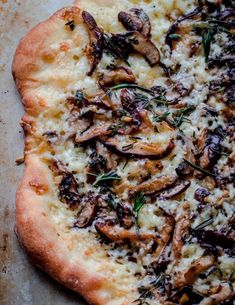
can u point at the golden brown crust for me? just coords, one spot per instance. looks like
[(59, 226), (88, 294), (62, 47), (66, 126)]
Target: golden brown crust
[(36, 233), (45, 246)]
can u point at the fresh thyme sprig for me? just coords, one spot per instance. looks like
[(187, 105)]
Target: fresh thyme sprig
[(204, 224), (114, 128), (131, 86), (139, 201), (103, 178), (198, 168)]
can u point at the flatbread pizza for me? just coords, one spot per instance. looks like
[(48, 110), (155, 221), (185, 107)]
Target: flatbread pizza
[(128, 190)]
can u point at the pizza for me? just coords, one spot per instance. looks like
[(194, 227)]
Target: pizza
[(128, 190)]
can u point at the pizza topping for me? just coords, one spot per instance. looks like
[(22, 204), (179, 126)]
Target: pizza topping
[(145, 47), (169, 222), (176, 190), (136, 20), (95, 48), (69, 190), (153, 186), (140, 149), (115, 76), (88, 208), (125, 214)]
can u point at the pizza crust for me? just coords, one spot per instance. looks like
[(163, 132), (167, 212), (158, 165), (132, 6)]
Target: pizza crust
[(36, 233)]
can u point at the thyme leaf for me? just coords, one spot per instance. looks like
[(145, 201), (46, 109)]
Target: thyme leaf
[(114, 128), (199, 168), (132, 86), (127, 147), (103, 178), (174, 36), (161, 117), (204, 224), (207, 38)]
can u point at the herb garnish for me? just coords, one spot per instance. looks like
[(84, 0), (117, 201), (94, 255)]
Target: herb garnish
[(127, 147), (204, 224), (79, 96), (132, 86), (161, 117), (139, 201), (174, 36), (207, 37), (199, 168), (114, 128), (70, 24), (177, 118), (106, 177), (146, 292)]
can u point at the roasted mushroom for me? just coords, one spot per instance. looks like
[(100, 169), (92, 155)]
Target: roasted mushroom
[(68, 190), (140, 149), (189, 276), (175, 190), (211, 152), (225, 293), (136, 20), (183, 168), (153, 186), (125, 214), (88, 209), (92, 133), (94, 49), (181, 230), (176, 24), (115, 233), (115, 76), (145, 47)]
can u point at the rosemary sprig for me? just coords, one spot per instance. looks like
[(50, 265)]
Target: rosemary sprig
[(204, 224), (161, 117), (207, 38), (114, 128), (106, 177), (127, 147), (174, 36), (199, 168), (132, 86), (139, 201)]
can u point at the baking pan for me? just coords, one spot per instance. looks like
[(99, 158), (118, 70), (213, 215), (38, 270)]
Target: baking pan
[(20, 282)]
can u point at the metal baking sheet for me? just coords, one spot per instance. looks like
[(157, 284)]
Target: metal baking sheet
[(20, 282)]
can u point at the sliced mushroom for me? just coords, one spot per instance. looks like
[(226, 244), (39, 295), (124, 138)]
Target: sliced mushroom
[(93, 133), (115, 233), (89, 204), (225, 293), (175, 25), (115, 76), (68, 190), (200, 194), (175, 190), (181, 230), (129, 104), (213, 238), (136, 20), (95, 48), (183, 168), (153, 186), (140, 149), (145, 47), (125, 214), (211, 152), (189, 276)]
